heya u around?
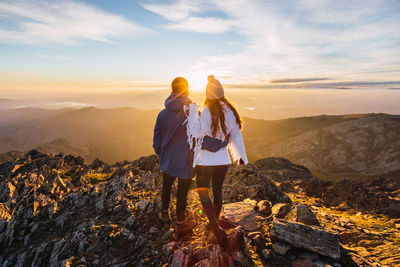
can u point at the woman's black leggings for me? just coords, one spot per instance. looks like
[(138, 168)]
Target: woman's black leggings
[(217, 176), (183, 188)]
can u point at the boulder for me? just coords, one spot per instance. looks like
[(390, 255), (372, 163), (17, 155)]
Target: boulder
[(280, 169), (241, 213), (303, 214), (314, 187), (281, 248), (146, 163), (303, 236), (280, 210), (287, 186), (182, 257), (264, 207), (249, 182)]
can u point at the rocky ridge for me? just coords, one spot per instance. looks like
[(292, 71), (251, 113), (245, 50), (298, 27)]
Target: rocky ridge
[(364, 147), (56, 210)]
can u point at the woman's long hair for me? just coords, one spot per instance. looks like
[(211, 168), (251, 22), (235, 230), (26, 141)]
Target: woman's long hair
[(218, 114)]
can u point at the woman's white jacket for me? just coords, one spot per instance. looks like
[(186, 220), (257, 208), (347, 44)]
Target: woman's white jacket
[(199, 125)]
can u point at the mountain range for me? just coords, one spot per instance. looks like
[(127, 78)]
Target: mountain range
[(332, 146)]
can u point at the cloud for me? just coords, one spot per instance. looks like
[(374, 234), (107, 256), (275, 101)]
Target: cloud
[(62, 22), (177, 10), (183, 16), (363, 83), (308, 38), (342, 85), (54, 57), (296, 80), (342, 12), (204, 25)]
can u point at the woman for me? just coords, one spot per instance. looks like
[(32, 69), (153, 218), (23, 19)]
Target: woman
[(219, 120)]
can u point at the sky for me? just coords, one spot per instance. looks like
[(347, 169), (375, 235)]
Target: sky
[(75, 46)]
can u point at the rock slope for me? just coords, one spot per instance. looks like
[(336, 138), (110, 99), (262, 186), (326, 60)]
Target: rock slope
[(367, 146), (56, 210)]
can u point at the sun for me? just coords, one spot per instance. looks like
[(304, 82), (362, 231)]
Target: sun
[(197, 82)]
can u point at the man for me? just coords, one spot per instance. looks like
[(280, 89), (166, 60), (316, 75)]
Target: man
[(176, 157)]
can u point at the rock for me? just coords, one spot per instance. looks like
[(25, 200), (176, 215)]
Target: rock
[(241, 213), (287, 187), (125, 231), (307, 237), (131, 236), (146, 163), (7, 191), (348, 194), (280, 210), (249, 182), (303, 214), (144, 204), (260, 241), (98, 164), (151, 180), (100, 204), (314, 187), (182, 257), (256, 191), (281, 248), (264, 207), (280, 169), (153, 230), (267, 253), (349, 236)]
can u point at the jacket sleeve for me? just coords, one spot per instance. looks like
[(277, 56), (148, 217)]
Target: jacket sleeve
[(236, 144), (198, 125), (157, 137)]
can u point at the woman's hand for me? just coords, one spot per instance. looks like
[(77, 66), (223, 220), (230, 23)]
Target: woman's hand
[(192, 105)]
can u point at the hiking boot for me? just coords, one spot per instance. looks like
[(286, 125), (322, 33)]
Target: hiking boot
[(184, 228), (220, 234), (164, 216)]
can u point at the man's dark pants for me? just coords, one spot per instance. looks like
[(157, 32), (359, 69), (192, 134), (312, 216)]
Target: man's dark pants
[(183, 188)]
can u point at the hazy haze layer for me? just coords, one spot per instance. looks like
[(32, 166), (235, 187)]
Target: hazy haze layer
[(255, 103)]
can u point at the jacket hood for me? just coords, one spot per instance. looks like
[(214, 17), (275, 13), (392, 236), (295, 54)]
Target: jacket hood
[(175, 102)]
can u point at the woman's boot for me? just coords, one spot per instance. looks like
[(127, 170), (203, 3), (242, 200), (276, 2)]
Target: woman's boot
[(220, 234)]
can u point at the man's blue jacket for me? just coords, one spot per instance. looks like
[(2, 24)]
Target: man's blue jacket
[(170, 138)]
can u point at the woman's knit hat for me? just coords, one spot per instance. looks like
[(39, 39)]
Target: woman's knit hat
[(214, 88)]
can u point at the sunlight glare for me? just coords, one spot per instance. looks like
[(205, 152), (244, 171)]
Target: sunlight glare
[(197, 82)]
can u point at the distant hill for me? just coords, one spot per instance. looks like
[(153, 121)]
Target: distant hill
[(110, 134), (62, 145), (358, 146), (332, 146)]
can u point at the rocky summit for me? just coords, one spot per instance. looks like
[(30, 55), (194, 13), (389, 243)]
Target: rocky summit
[(58, 210)]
